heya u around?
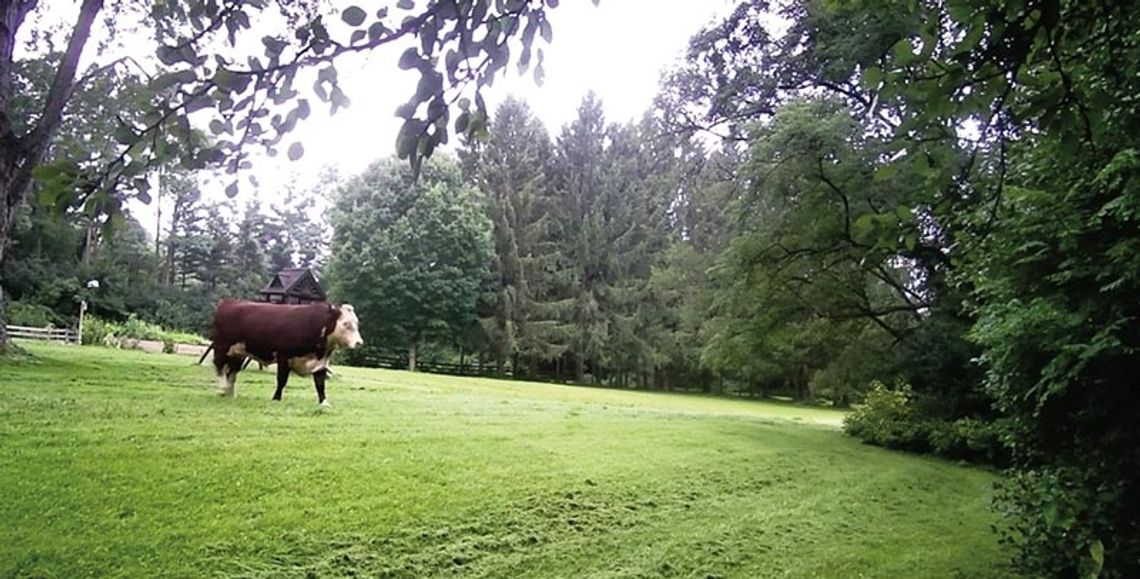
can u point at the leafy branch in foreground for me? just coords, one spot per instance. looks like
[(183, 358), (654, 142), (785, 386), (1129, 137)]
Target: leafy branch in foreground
[(254, 99)]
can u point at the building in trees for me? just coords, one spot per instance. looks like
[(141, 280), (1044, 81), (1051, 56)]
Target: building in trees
[(293, 286)]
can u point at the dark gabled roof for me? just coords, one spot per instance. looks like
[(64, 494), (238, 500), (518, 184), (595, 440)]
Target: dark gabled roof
[(298, 281)]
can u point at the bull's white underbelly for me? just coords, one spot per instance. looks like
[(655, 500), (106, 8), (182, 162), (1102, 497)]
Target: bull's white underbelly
[(303, 365), (306, 365), (238, 351)]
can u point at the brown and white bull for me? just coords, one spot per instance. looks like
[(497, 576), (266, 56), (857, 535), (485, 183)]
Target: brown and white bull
[(298, 338)]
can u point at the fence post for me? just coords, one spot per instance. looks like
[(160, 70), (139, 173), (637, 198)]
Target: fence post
[(79, 330)]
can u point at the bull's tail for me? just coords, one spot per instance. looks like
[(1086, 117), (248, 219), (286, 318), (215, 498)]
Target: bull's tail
[(244, 365), (206, 353)]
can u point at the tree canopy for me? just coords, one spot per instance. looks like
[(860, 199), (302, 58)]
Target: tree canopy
[(926, 206), (202, 63)]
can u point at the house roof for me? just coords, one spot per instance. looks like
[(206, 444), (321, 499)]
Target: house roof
[(298, 281)]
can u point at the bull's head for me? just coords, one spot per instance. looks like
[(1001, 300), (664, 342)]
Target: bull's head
[(347, 330)]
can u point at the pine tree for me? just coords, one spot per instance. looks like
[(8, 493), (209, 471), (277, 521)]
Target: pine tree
[(637, 190), (187, 245), (296, 230), (510, 169), (580, 213), (220, 271), (249, 252)]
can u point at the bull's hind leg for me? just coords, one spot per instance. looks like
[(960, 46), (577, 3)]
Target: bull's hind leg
[(282, 376)]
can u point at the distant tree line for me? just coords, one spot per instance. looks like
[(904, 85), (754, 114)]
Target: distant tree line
[(943, 196), (206, 250), (634, 255), (935, 202)]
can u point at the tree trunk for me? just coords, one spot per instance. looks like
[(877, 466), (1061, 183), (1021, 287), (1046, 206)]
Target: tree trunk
[(171, 253), (3, 316), (21, 154), (5, 223), (88, 242), (412, 354), (158, 220)]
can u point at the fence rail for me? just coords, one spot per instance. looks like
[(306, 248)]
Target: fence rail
[(51, 334), (401, 363), (430, 367)]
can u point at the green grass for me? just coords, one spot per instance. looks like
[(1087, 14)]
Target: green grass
[(120, 463)]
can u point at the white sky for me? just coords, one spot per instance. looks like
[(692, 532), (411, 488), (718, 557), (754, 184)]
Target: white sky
[(618, 49)]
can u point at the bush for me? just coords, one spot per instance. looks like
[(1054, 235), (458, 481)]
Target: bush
[(182, 312), (28, 314), (99, 332), (887, 418), (970, 439), (184, 338), (136, 329), (1058, 518)]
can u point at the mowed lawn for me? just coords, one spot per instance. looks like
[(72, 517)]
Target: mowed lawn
[(120, 463)]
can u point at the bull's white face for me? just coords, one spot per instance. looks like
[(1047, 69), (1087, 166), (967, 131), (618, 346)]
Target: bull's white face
[(347, 330)]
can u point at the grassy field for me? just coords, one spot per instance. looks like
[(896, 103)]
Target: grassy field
[(127, 464)]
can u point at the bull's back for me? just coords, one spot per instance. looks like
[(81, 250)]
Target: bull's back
[(269, 328)]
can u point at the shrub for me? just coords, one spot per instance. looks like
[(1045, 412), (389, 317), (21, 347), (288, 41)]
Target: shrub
[(1054, 515), (99, 332), (28, 314), (136, 329), (887, 418), (103, 333), (184, 338), (970, 439)]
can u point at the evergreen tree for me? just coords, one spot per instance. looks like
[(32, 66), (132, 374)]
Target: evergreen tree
[(187, 244), (296, 229), (510, 169), (249, 252), (635, 199), (219, 272), (582, 263)]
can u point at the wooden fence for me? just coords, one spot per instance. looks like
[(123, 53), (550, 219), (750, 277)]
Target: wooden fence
[(52, 334), (429, 367), (467, 369)]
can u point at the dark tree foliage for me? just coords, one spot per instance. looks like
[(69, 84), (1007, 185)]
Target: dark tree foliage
[(411, 254), (1009, 124)]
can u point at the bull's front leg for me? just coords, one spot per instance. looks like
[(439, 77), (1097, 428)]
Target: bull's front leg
[(282, 376), (231, 368), (319, 381)]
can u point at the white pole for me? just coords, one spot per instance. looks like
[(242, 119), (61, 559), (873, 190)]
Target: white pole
[(79, 332)]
